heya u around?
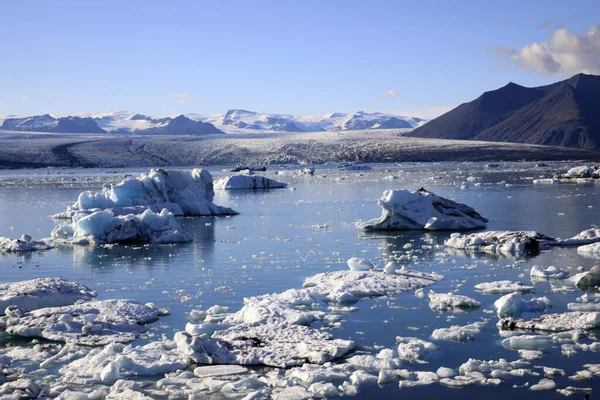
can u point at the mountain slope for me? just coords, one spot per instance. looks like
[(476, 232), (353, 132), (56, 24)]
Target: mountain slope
[(561, 114)]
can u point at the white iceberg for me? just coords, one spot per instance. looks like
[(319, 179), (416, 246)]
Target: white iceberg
[(583, 171), (422, 210), (561, 322), (182, 192), (502, 287), (105, 227), (90, 323), (450, 302), (457, 333), (247, 182), (586, 237), (360, 264), (527, 342), (587, 280), (42, 292), (513, 305), (22, 245), (590, 250), (501, 242), (552, 272), (414, 349)]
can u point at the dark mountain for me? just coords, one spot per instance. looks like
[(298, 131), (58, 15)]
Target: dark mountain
[(78, 125), (181, 125), (47, 123), (562, 114), (392, 123)]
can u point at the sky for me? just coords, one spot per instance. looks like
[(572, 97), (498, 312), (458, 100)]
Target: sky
[(419, 58)]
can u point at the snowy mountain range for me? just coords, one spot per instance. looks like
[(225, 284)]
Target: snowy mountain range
[(233, 121)]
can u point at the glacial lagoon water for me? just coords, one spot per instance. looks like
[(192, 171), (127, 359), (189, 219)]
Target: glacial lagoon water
[(283, 236)]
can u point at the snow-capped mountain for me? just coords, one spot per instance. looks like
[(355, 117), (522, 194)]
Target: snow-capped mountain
[(235, 120)]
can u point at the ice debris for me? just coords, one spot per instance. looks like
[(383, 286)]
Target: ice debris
[(22, 245), (502, 287), (182, 192), (457, 333), (451, 302), (501, 242), (38, 293), (104, 226), (247, 182), (422, 210)]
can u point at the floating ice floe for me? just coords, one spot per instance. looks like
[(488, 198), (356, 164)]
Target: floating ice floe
[(501, 242), (587, 280), (583, 171), (22, 245), (40, 293), (552, 272), (89, 323), (573, 320), (503, 287), (586, 237), (527, 342), (590, 250), (422, 210), (338, 286), (457, 333), (248, 182), (182, 192), (105, 227), (360, 264), (414, 349), (513, 305), (451, 302)]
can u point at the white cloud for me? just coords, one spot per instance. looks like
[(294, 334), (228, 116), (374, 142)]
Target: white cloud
[(388, 95), (24, 98), (181, 97), (565, 53), (426, 112)]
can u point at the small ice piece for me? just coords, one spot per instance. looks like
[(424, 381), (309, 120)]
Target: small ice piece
[(307, 171), (360, 264), (450, 302), (422, 210), (21, 388), (310, 373), (445, 372), (583, 306), (501, 287), (527, 342), (551, 272), (412, 349), (590, 250), (587, 280), (42, 292), (543, 384), (116, 321), (362, 378), (501, 242), (182, 192), (390, 268), (237, 182), (458, 333), (104, 227), (568, 321), (385, 359), (530, 354), (22, 245), (586, 237), (513, 305), (207, 371)]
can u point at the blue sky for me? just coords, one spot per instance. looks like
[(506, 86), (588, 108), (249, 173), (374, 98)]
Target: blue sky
[(283, 56)]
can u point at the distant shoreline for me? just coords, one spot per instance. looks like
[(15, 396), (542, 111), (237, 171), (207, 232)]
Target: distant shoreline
[(41, 150)]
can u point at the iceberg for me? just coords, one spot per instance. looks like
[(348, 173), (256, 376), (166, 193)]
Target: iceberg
[(586, 237), (105, 227), (502, 287), (572, 320), (587, 280), (527, 342), (41, 293), (552, 272), (457, 333), (451, 302), (182, 192), (360, 264), (248, 182), (92, 323), (583, 171), (501, 242), (590, 250), (422, 210), (513, 305), (22, 245)]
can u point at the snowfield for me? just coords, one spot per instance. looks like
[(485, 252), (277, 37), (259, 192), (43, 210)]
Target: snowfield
[(36, 150)]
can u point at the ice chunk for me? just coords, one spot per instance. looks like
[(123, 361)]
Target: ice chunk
[(247, 182), (22, 245), (527, 342), (583, 171), (310, 373), (551, 272), (458, 333), (368, 283), (412, 349), (92, 323), (590, 250), (104, 227), (42, 292), (360, 264), (183, 192), (543, 384), (513, 305), (22, 388), (450, 302), (501, 242), (117, 361), (561, 322), (501, 287), (589, 279), (422, 210), (586, 237), (445, 372)]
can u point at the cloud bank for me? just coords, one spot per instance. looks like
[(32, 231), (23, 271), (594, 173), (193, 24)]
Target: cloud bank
[(388, 95), (181, 97)]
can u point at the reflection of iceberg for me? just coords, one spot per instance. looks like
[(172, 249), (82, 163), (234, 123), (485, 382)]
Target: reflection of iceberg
[(422, 210), (187, 192)]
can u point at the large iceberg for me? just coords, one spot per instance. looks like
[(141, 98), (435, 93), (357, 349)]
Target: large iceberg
[(42, 292), (105, 227), (248, 182), (422, 210), (183, 192)]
